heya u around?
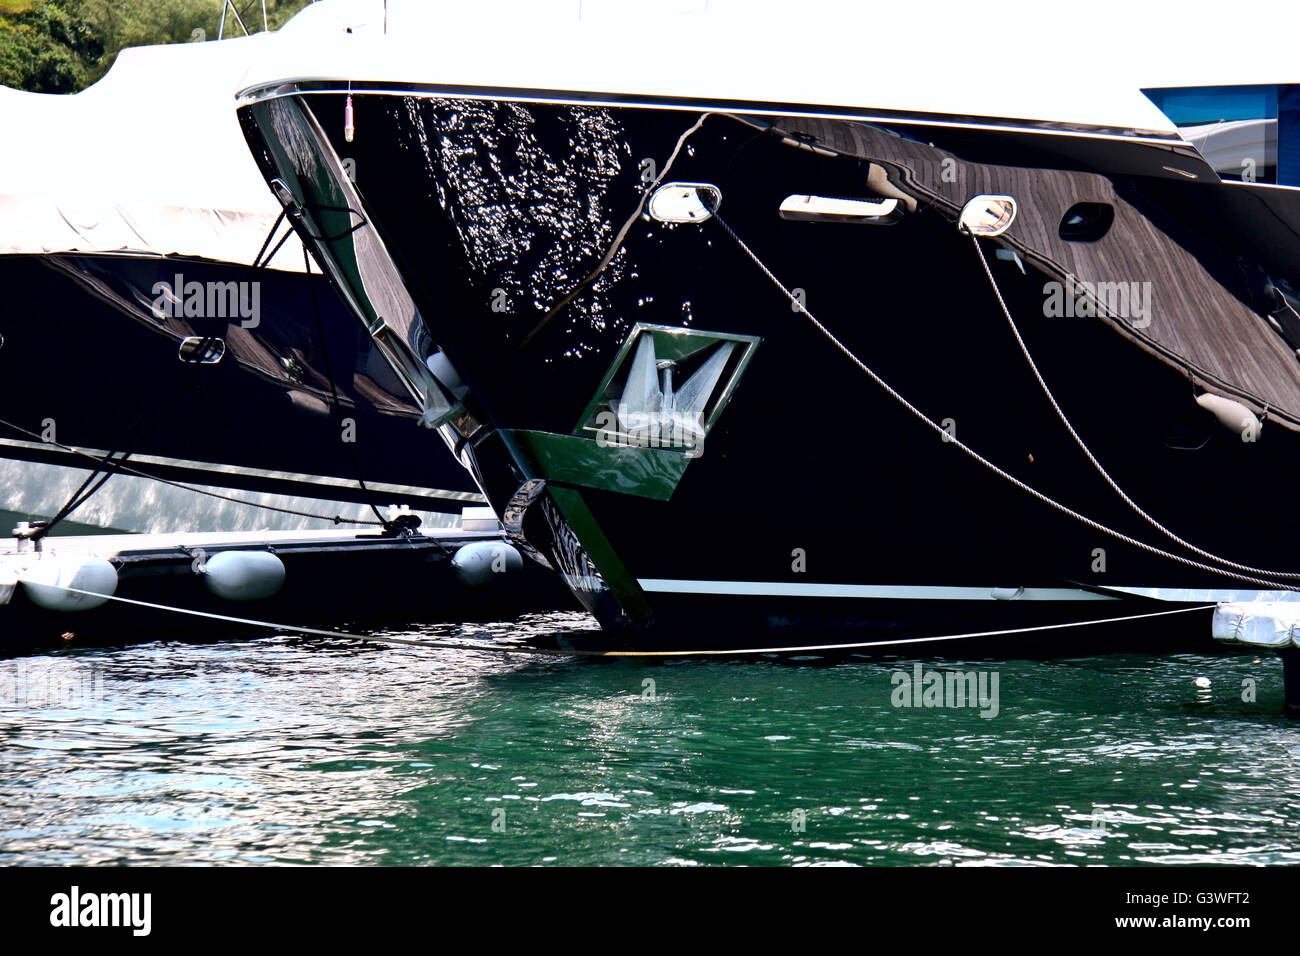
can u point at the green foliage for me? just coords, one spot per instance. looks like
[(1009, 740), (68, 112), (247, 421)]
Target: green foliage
[(60, 46), (48, 46)]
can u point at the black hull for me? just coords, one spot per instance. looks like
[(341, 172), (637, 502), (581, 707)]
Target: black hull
[(83, 352), (321, 590), (746, 627), (813, 474)]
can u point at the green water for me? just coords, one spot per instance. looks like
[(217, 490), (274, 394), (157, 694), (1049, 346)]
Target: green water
[(283, 750)]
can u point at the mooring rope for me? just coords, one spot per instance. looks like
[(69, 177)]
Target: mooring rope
[(953, 439), (1051, 398), (617, 244), (257, 260), (575, 652)]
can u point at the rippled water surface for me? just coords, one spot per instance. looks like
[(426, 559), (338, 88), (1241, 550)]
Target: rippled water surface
[(279, 750)]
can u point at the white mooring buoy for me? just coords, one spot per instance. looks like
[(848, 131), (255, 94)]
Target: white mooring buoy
[(483, 562), (45, 579), (243, 575)]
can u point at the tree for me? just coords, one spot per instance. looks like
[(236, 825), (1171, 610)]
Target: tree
[(47, 46), (60, 46)]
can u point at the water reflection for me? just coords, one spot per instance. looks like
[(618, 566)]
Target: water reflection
[(282, 750)]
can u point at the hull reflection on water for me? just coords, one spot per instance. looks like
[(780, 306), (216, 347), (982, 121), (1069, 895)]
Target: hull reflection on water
[(283, 751)]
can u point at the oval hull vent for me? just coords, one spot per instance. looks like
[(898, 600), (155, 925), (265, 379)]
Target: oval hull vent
[(1086, 221)]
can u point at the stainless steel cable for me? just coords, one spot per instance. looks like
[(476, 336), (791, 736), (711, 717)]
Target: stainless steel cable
[(1051, 398), (574, 652), (1034, 492)]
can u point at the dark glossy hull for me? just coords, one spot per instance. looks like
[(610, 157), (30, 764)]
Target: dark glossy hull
[(330, 588), (86, 363), (519, 230)]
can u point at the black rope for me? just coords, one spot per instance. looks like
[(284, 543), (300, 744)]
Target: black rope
[(301, 225), (260, 262), (271, 235), (338, 235), (278, 246)]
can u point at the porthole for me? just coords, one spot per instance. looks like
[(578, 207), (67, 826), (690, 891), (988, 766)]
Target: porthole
[(1087, 221)]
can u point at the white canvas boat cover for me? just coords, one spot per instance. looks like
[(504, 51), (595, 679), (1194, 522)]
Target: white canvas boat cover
[(149, 160), (1012, 59)]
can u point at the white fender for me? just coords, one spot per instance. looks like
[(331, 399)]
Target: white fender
[(1231, 414), (47, 576), (243, 575), (446, 373), (1257, 623), (483, 562)]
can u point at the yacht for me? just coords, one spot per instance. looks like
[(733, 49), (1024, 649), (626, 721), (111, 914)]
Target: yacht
[(771, 325), (157, 308)]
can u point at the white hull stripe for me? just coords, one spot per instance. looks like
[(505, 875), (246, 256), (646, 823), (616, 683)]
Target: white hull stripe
[(1217, 595), (885, 591)]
